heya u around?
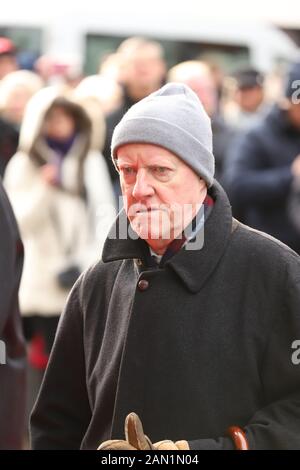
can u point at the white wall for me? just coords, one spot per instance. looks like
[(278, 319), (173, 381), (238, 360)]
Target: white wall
[(65, 22), (284, 13)]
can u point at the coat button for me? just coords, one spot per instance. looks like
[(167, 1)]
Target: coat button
[(143, 284)]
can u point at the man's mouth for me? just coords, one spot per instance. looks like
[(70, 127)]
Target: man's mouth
[(140, 209), (150, 209)]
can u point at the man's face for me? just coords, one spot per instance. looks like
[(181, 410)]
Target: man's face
[(249, 99), (144, 68), (16, 104), (206, 92), (161, 193), (8, 64)]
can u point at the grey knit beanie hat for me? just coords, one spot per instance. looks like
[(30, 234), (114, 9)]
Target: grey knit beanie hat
[(174, 118)]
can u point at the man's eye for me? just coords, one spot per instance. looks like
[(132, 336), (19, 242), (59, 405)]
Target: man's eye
[(161, 171), (127, 171)]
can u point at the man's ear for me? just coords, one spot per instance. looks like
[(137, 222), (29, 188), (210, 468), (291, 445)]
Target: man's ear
[(116, 164), (203, 186)]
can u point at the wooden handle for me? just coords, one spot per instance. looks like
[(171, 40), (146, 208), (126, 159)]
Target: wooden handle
[(239, 438)]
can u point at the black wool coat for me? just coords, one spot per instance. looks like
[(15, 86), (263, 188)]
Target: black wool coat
[(205, 343), (13, 365)]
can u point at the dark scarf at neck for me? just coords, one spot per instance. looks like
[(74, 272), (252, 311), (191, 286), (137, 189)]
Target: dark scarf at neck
[(61, 147), (188, 234)]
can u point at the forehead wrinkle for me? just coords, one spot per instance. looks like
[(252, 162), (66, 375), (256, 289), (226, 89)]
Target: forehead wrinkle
[(153, 156)]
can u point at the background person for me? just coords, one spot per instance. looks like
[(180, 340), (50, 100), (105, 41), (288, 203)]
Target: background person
[(13, 371)]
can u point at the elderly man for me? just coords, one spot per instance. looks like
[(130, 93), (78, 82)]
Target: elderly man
[(188, 322)]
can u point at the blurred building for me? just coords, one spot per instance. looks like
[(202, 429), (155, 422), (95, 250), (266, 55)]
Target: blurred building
[(224, 33)]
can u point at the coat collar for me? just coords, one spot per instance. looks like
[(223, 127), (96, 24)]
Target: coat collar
[(192, 266)]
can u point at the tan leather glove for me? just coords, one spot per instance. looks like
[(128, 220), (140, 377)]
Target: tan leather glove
[(170, 445), (134, 435), (137, 440)]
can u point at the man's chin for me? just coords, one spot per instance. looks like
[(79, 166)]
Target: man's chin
[(149, 235), (155, 233)]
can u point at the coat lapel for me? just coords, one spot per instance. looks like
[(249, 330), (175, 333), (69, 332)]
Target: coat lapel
[(194, 267)]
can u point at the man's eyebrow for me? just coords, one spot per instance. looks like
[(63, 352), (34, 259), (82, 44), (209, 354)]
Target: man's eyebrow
[(161, 164), (123, 161), (155, 162)]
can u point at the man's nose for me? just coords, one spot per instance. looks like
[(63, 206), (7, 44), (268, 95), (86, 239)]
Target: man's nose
[(142, 186)]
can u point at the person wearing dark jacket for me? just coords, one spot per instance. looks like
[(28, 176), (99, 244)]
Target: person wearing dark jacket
[(13, 362), (260, 169), (9, 138), (188, 322)]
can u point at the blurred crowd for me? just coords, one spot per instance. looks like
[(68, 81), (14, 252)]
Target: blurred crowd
[(55, 160)]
